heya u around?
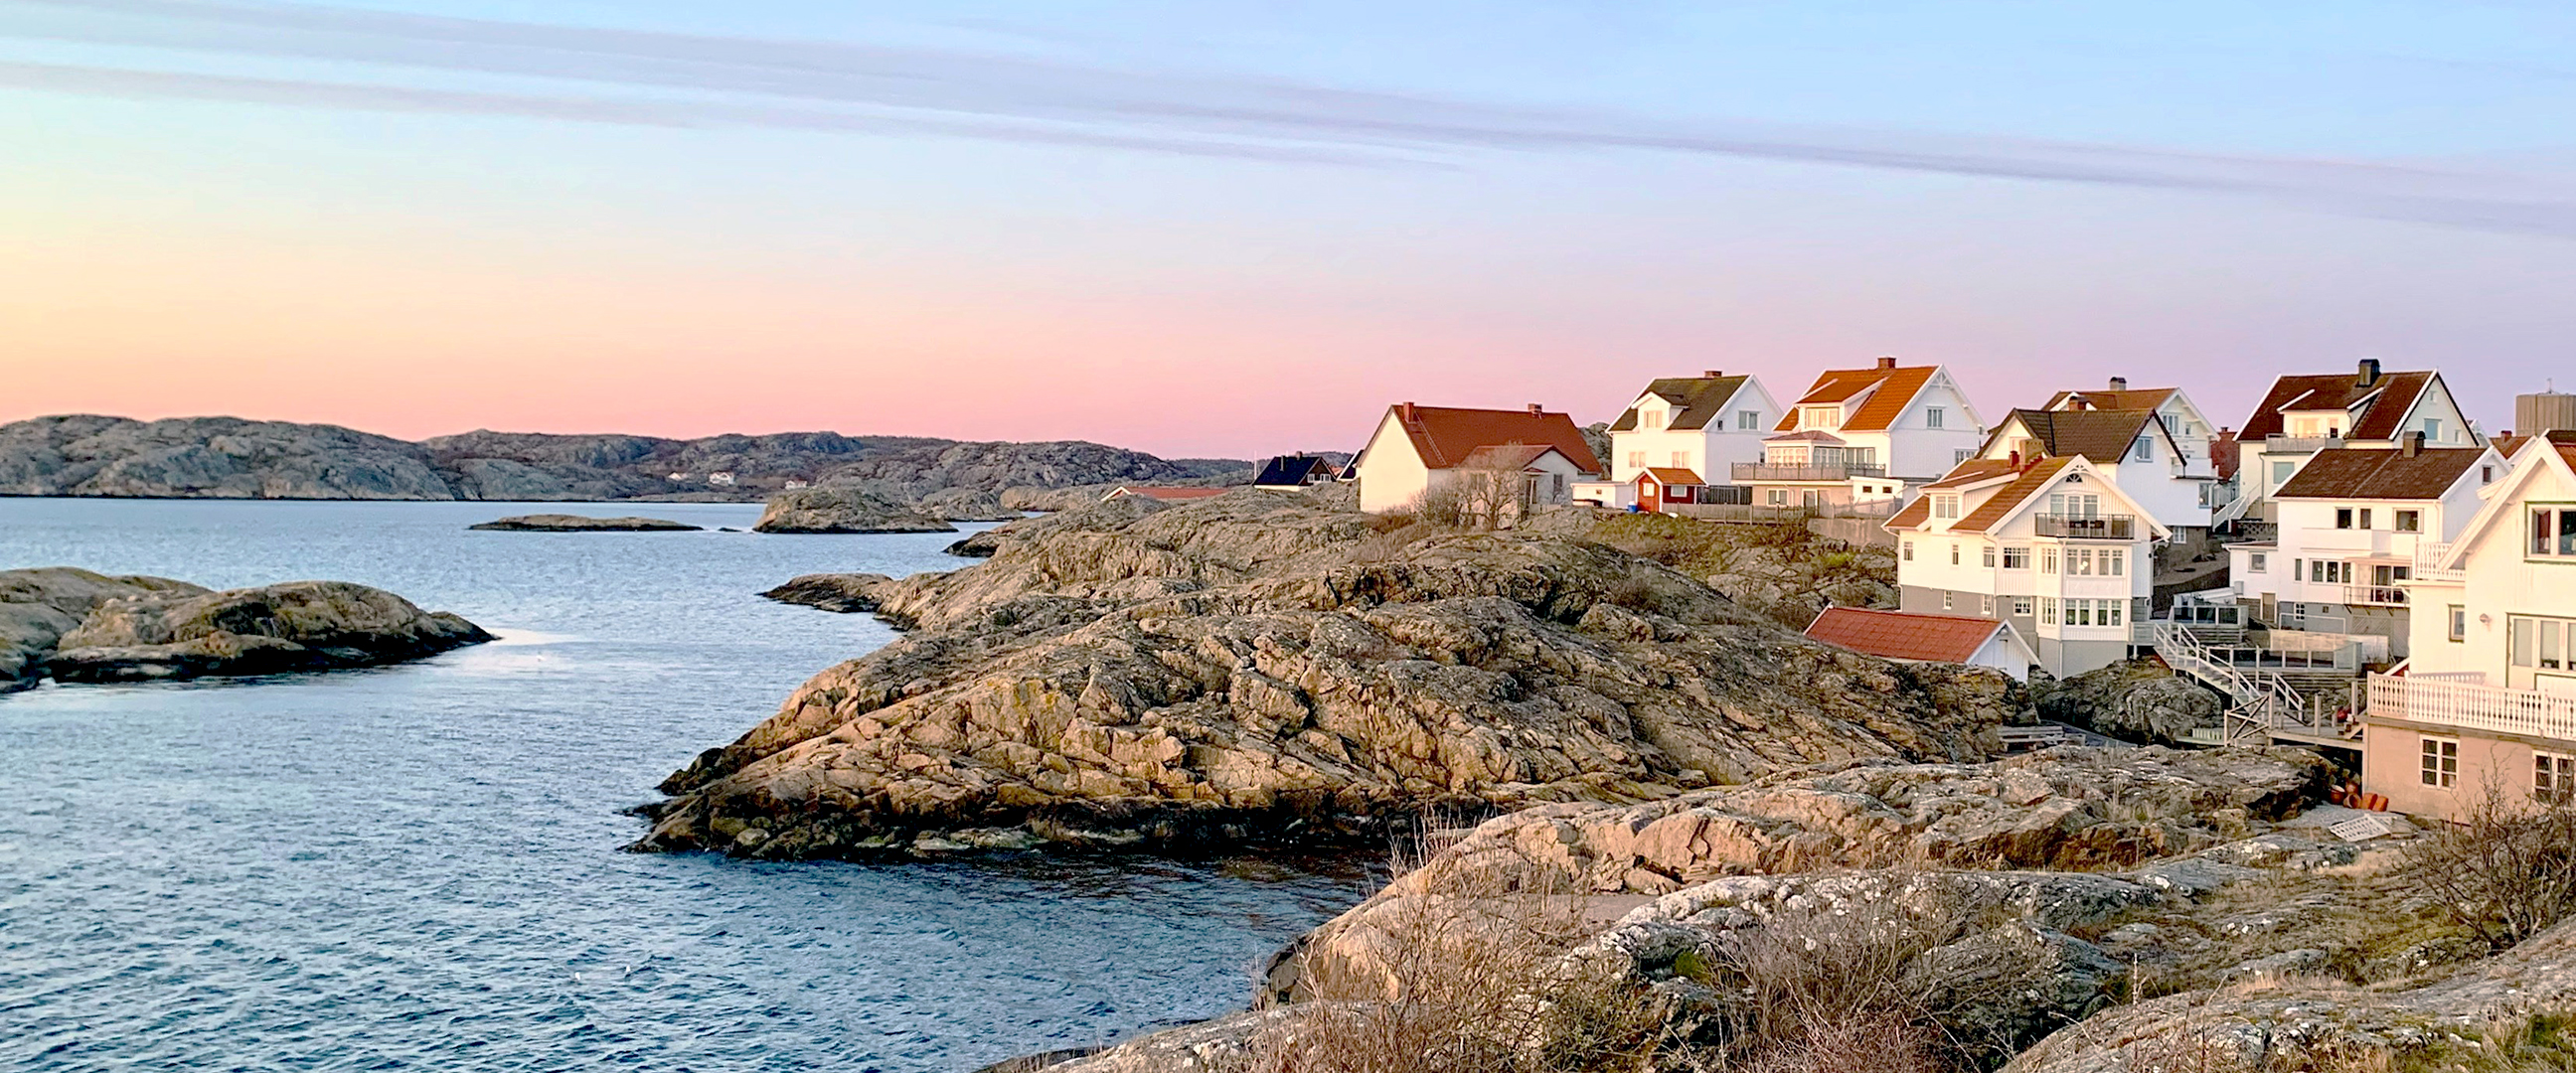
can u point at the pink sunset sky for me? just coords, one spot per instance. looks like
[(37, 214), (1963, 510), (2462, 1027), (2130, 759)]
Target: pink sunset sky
[(1234, 234)]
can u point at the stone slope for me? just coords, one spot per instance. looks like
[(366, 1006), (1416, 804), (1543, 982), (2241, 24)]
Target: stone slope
[(1267, 664), (213, 457), (842, 510), (581, 523), (296, 626)]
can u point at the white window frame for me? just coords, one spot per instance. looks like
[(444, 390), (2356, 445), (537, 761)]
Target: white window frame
[(2553, 776), (2437, 762), (1932, 417)]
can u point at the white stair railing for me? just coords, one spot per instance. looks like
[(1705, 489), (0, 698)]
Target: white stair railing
[(2257, 700)]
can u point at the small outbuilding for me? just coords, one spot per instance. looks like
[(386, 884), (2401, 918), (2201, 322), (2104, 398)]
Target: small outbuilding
[(1914, 637)]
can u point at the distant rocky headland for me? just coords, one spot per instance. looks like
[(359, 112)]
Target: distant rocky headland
[(78, 626), (233, 458)]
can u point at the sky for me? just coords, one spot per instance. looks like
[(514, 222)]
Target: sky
[(1230, 229)]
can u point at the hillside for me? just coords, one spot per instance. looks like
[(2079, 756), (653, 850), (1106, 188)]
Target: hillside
[(233, 458)]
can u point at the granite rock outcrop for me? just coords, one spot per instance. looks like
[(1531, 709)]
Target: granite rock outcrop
[(842, 510), (169, 631), (39, 606), (582, 523), (1273, 666)]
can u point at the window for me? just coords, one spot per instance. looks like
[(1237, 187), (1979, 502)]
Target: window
[(1556, 485), (1931, 417), (1748, 419), (2553, 776), (2365, 518), (1961, 455), (2075, 505), (1636, 460), (1945, 505), (2114, 561), (2410, 521), (1779, 497), (2432, 430), (2553, 532), (2441, 762), (2343, 518), (1824, 417), (1986, 606), (2486, 474), (2048, 560), (2459, 623), (2281, 472), (1987, 554), (2021, 606), (2258, 563), (1946, 601), (1681, 460), (2079, 562), (2144, 450), (1907, 551), (2539, 643), (2016, 558), (1954, 553), (2048, 609)]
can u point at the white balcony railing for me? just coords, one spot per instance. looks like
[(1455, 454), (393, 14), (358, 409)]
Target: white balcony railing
[(2428, 563), (2472, 706), (2375, 595)]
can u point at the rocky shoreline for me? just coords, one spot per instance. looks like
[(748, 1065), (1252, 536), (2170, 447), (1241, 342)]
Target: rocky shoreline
[(1132, 673), (78, 626)]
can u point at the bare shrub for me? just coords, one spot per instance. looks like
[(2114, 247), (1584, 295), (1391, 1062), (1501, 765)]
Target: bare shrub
[(1472, 980), (1822, 989), (2505, 870)]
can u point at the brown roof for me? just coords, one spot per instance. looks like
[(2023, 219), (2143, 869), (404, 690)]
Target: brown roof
[(2142, 398), (1505, 456), (2103, 436), (2040, 475), (1669, 475), (1700, 398), (1897, 386), (1975, 470), (2380, 473), (1164, 494), (2388, 396), (1445, 435), (1904, 635)]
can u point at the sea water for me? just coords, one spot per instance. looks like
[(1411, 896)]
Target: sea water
[(419, 866)]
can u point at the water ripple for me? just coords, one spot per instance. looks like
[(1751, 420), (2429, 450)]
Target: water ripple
[(416, 867)]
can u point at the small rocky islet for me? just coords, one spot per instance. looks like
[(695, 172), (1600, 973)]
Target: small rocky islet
[(582, 523), (79, 626)]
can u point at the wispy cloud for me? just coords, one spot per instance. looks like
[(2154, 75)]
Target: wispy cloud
[(889, 90)]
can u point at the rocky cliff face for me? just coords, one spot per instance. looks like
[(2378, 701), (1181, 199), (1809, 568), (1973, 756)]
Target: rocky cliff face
[(224, 457), (1268, 664), (842, 510), (78, 626)]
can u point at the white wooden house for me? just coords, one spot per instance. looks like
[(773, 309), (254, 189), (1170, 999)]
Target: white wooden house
[(1417, 450), (1859, 435)]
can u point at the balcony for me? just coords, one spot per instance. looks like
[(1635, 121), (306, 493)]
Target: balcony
[(2472, 706), (2299, 445), (2374, 595), (2087, 527), (2428, 563), (1820, 472)]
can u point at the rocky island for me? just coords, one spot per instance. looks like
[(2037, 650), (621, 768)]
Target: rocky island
[(843, 510), (78, 626), (582, 523), (229, 457), (1283, 666)]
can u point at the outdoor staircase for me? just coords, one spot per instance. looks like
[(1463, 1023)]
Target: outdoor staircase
[(2259, 701)]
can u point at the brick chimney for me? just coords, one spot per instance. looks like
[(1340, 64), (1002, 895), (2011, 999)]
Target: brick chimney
[(2411, 444), (1404, 413), (2119, 383), (1535, 409), (1887, 363), (2369, 372), (1712, 374)]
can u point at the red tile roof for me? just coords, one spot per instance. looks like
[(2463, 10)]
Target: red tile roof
[(1670, 475), (1505, 456), (1445, 435), (1904, 635), (1896, 386), (2340, 391), (1971, 472)]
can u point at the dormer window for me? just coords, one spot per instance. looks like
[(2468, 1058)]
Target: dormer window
[(1650, 419), (1823, 417), (1945, 506)]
